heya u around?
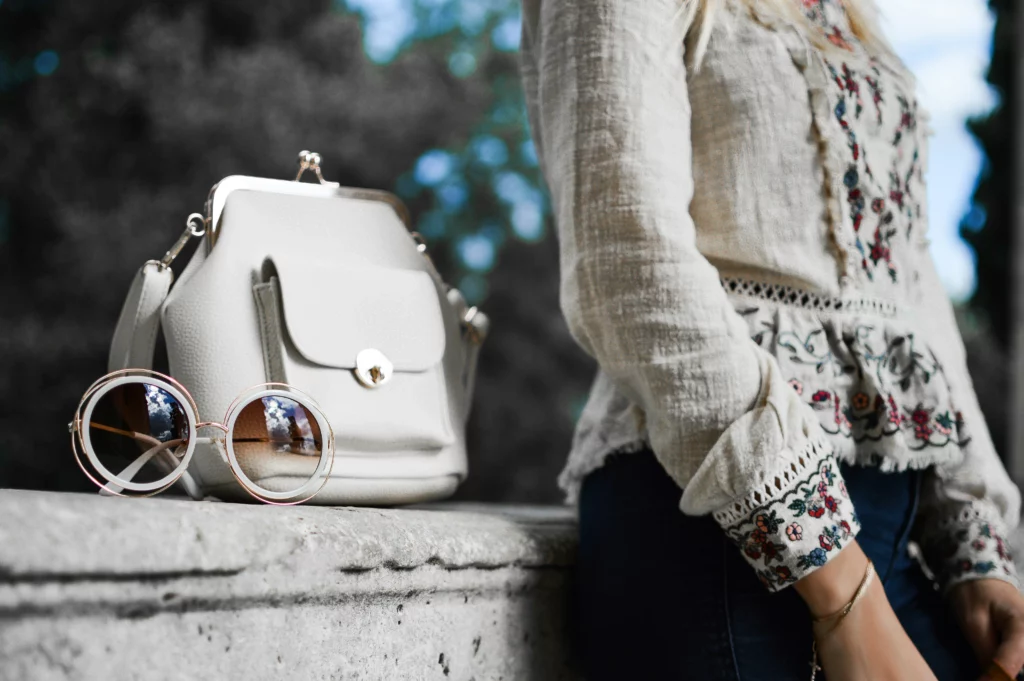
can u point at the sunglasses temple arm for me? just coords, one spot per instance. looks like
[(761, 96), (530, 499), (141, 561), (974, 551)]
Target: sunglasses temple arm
[(148, 439), (190, 486), (112, 489)]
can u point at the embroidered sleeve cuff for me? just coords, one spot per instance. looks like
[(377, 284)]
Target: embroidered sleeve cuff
[(969, 545), (796, 523)]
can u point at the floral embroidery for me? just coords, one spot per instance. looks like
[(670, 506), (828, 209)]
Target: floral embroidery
[(850, 84), (908, 120), (966, 548), (876, 92), (884, 418), (888, 370), (759, 543), (817, 12), (781, 547), (901, 190), (1001, 549), (836, 38), (981, 568), (879, 248), (874, 233)]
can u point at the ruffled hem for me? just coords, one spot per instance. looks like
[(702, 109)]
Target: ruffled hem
[(583, 462), (873, 381), (875, 384)]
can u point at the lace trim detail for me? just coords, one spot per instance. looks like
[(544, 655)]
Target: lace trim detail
[(777, 483), (800, 526), (791, 295), (971, 513)]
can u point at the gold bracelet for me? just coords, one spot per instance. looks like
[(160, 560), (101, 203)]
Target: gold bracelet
[(841, 614), (838, 615)]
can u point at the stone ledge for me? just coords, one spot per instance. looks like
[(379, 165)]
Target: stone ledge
[(154, 589), (115, 589), (81, 536)]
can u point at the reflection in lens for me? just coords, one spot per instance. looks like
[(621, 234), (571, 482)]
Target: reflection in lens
[(139, 433), (277, 443)]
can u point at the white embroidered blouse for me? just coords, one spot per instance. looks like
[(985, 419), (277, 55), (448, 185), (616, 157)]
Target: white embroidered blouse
[(744, 251)]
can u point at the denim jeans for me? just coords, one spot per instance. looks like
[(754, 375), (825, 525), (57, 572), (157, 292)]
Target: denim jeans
[(661, 595)]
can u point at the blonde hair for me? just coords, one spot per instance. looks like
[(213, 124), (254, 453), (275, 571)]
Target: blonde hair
[(698, 19)]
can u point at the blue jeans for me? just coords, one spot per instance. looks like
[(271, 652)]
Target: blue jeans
[(662, 595)]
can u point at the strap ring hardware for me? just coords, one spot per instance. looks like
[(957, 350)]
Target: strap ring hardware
[(195, 225), (475, 331)]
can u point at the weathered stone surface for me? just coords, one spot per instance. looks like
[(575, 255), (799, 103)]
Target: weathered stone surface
[(96, 588)]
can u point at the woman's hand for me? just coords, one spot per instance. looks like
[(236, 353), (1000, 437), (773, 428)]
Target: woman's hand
[(869, 644), (991, 614)]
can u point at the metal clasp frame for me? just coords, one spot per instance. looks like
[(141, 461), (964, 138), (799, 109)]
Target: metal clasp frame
[(310, 160)]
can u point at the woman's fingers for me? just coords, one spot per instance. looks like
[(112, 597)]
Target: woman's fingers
[(1010, 653), (978, 627)]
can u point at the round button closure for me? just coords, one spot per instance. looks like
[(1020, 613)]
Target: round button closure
[(373, 369)]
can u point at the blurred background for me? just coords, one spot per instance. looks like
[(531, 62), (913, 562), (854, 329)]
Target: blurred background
[(116, 117)]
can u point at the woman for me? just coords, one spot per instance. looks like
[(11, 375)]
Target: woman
[(738, 189)]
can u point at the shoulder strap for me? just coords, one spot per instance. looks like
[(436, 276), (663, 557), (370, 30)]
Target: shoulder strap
[(135, 335), (135, 341)]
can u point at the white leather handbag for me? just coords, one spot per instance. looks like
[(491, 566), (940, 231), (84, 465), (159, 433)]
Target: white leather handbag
[(323, 288)]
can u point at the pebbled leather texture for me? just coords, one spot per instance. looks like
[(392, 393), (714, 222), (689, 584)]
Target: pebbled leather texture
[(394, 311), (319, 278)]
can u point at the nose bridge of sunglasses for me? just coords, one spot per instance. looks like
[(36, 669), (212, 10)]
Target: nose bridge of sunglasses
[(218, 440), (212, 424)]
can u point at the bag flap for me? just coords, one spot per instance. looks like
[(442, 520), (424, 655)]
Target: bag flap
[(334, 310)]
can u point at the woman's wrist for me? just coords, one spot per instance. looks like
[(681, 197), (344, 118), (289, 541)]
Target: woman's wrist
[(831, 586)]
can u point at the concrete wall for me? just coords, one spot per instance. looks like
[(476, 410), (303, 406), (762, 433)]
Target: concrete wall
[(94, 588), (111, 589)]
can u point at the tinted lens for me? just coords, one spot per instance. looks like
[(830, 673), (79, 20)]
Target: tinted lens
[(139, 433), (278, 444)]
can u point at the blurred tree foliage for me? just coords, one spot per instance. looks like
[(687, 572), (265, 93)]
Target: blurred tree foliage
[(990, 224), (116, 117), (990, 228)]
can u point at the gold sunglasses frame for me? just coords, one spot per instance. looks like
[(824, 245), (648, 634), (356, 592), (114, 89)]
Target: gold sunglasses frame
[(192, 413)]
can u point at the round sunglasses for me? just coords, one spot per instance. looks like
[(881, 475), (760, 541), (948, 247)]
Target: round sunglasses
[(135, 433)]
